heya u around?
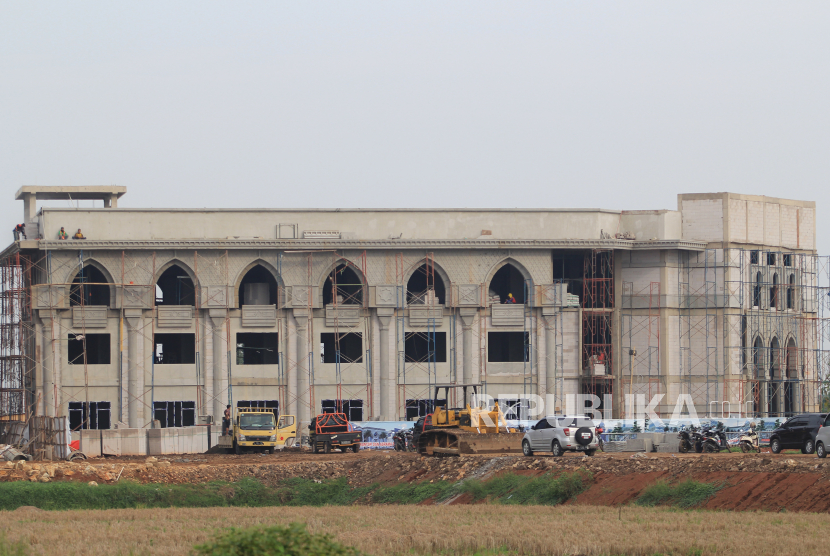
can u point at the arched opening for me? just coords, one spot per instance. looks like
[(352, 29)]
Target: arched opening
[(175, 287), (89, 287), (508, 280), (774, 384), (258, 287), (756, 295), (773, 292), (425, 287), (791, 292), (344, 286), (757, 372), (792, 375)]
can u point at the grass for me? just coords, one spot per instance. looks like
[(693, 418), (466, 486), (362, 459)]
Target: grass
[(546, 490), (687, 494), (507, 489), (486, 530)]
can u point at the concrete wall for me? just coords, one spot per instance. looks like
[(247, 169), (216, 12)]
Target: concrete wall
[(749, 219), (181, 224)]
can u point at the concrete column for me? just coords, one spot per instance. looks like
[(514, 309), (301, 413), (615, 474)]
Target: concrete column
[(387, 378), (135, 369), (207, 367), (467, 319), (548, 318), (48, 379), (303, 384), (220, 378), (291, 363), (30, 215)]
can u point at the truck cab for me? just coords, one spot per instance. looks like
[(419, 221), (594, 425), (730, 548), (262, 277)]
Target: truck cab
[(258, 429)]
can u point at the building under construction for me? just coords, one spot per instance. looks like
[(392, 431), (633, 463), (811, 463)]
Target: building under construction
[(162, 317)]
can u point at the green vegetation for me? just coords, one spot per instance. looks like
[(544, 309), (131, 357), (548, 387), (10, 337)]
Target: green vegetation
[(687, 494), (293, 540), (546, 490), (18, 548), (506, 489)]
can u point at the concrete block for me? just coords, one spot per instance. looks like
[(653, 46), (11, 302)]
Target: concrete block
[(134, 442), (90, 441), (669, 446), (111, 442), (154, 442), (635, 445)]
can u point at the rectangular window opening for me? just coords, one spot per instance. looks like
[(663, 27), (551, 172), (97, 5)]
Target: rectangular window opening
[(95, 415), (349, 346), (753, 257), (273, 405), (352, 408), (418, 408), (97, 349), (788, 259), (175, 349), (508, 347), (257, 348), (175, 414), (771, 259), (423, 347)]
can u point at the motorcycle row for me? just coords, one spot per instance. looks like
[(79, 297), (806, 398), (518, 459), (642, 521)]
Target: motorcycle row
[(711, 440)]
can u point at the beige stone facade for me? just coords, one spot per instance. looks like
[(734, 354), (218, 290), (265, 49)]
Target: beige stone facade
[(364, 309)]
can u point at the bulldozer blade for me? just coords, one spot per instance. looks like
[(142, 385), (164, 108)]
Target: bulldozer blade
[(454, 442)]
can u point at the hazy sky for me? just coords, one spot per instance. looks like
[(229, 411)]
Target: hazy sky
[(420, 104)]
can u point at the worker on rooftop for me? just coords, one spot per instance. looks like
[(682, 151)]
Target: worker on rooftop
[(62, 234), (78, 235)]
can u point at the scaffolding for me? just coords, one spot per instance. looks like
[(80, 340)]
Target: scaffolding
[(417, 373), (17, 396), (597, 323), (775, 331)]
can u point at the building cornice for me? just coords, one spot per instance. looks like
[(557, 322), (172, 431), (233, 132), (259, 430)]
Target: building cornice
[(351, 244)]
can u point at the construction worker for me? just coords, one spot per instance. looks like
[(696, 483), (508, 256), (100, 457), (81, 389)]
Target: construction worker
[(510, 298), (78, 235), (62, 234), (226, 421)]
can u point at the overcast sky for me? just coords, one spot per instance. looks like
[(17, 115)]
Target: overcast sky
[(618, 105)]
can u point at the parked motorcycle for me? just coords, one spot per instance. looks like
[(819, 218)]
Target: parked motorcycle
[(689, 440), (750, 440), (403, 441), (714, 441)]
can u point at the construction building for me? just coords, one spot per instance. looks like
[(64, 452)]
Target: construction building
[(169, 315)]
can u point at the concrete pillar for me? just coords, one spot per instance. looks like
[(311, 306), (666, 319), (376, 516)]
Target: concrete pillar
[(207, 367), (135, 369), (548, 318), (48, 355), (291, 363), (467, 319), (220, 378), (30, 215), (303, 384), (387, 378)]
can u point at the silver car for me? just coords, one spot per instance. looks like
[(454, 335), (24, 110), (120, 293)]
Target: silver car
[(558, 434), (822, 443)]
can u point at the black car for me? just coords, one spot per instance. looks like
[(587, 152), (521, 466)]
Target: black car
[(797, 432)]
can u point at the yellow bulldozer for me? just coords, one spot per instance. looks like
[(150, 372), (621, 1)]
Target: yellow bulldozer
[(467, 430)]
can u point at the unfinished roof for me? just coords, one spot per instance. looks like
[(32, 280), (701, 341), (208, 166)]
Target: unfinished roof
[(70, 192)]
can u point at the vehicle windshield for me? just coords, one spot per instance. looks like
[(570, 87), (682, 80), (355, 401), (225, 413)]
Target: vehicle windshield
[(263, 421)]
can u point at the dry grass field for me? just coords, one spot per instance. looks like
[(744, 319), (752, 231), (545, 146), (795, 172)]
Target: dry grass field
[(479, 529)]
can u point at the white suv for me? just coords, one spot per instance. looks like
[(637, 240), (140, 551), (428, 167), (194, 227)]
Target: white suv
[(559, 434)]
